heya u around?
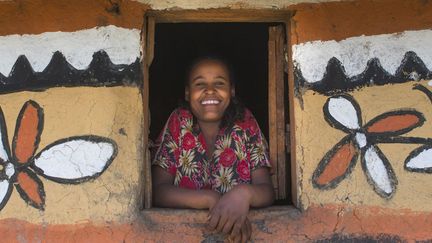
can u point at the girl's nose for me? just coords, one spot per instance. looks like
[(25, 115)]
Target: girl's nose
[(210, 90)]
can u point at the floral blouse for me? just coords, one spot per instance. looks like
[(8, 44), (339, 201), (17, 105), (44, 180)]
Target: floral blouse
[(181, 150)]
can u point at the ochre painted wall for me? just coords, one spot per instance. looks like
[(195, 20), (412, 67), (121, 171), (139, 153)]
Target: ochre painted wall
[(100, 95), (110, 112), (413, 188)]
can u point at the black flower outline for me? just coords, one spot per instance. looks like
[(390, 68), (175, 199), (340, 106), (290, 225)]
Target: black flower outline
[(343, 113)]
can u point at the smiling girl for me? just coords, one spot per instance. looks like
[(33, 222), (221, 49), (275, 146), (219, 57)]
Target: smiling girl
[(212, 154)]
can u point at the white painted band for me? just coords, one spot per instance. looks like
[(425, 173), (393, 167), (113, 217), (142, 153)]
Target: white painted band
[(355, 52), (122, 46)]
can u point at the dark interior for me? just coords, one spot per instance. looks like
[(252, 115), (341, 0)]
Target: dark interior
[(244, 45)]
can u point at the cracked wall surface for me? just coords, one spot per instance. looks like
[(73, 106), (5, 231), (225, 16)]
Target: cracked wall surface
[(115, 113), (105, 209)]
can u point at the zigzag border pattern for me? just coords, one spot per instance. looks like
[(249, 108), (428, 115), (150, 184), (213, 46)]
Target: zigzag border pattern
[(335, 80), (59, 73)]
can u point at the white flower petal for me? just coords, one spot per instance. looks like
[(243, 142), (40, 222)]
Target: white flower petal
[(343, 111), (3, 139), (4, 192), (75, 159), (420, 160), (377, 171)]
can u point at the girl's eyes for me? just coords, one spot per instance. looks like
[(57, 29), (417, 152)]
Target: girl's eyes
[(203, 84)]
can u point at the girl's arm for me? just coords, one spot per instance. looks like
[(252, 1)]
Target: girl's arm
[(260, 193), (165, 194), (230, 212)]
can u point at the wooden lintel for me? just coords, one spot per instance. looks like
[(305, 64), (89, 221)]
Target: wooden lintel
[(220, 15)]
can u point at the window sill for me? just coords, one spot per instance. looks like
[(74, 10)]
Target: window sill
[(187, 223), (198, 213)]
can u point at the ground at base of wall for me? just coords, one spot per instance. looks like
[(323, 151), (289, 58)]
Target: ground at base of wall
[(330, 223)]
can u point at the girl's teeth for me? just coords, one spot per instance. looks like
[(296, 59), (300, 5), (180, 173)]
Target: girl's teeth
[(210, 102)]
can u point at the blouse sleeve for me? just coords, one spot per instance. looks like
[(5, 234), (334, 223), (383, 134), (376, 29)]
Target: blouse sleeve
[(167, 145), (256, 145)]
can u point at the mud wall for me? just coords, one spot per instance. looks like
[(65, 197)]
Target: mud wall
[(71, 127)]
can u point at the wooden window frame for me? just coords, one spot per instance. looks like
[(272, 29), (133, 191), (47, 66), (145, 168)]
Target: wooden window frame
[(152, 17)]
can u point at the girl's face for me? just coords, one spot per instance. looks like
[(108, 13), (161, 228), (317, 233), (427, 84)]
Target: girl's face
[(209, 91)]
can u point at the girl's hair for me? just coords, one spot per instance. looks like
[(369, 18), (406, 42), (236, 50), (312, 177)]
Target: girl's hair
[(236, 109)]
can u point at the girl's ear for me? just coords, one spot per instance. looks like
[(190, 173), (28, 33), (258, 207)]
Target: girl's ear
[(186, 94)]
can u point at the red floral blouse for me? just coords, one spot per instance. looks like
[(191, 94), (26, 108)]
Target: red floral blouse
[(181, 150)]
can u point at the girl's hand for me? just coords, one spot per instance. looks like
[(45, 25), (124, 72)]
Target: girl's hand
[(230, 212), (245, 233)]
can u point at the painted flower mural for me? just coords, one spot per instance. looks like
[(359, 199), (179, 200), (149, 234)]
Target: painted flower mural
[(343, 112), (71, 160)]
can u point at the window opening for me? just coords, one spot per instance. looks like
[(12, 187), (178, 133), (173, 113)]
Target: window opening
[(256, 52)]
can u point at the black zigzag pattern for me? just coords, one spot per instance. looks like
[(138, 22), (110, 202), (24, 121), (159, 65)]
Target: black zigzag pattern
[(336, 81), (59, 73)]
